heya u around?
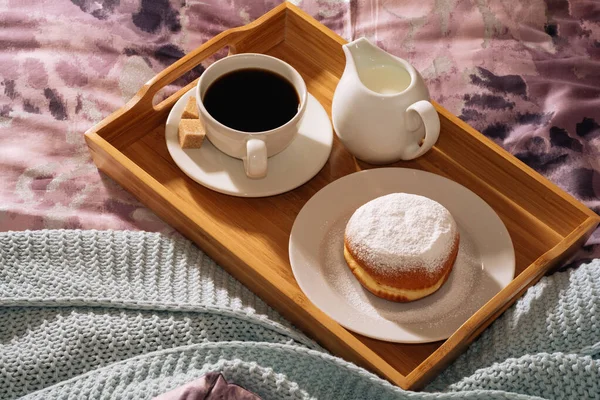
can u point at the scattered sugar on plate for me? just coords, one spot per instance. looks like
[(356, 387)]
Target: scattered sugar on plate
[(456, 297)]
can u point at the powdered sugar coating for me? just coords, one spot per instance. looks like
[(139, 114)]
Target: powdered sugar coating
[(402, 231)]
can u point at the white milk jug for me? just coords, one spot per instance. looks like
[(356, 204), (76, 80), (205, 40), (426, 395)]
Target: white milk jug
[(381, 110)]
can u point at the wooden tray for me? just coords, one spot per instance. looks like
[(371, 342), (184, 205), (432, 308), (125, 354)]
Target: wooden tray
[(249, 237)]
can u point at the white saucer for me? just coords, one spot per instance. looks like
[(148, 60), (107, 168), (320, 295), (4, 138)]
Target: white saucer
[(294, 166), (485, 263)]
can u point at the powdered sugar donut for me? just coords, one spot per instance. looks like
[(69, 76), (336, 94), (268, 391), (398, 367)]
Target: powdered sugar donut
[(401, 247)]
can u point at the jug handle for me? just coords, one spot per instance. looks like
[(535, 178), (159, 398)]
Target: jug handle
[(428, 114)]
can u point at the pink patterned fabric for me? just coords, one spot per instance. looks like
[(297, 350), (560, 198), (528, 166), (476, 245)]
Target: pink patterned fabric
[(525, 73)]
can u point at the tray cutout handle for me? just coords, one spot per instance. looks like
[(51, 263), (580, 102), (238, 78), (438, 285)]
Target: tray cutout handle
[(257, 35), (140, 109), (175, 71), (144, 98), (167, 95)]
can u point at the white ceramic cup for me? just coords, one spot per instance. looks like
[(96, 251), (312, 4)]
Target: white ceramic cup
[(251, 147)]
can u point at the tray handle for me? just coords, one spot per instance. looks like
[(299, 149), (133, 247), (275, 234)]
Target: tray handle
[(143, 99), (140, 107)]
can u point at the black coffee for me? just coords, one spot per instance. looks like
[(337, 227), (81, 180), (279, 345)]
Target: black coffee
[(251, 100)]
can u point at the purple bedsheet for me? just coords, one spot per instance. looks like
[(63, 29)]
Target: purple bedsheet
[(525, 73)]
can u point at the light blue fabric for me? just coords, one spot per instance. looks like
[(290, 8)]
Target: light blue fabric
[(94, 315)]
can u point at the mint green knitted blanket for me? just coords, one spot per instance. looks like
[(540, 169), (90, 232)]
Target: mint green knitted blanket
[(104, 315)]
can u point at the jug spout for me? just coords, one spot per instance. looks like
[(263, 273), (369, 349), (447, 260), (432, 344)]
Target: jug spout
[(361, 54), (377, 70)]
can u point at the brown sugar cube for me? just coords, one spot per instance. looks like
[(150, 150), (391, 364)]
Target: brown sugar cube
[(191, 110), (191, 133)]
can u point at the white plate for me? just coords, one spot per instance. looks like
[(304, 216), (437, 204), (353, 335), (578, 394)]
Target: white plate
[(294, 166), (485, 262)]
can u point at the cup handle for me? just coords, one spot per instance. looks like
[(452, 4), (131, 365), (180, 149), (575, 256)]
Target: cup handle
[(426, 113), (255, 162)]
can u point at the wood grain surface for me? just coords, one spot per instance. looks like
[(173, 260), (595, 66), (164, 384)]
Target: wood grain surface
[(249, 237)]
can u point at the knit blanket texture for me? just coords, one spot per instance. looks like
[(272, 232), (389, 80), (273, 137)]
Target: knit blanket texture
[(132, 315)]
